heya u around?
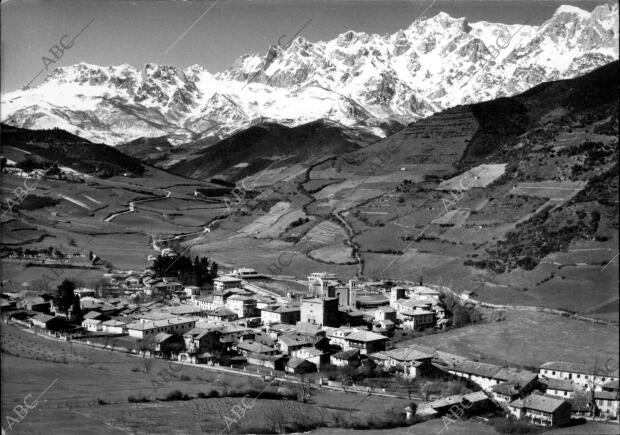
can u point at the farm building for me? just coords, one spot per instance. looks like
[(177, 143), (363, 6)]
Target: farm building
[(249, 346), (411, 362), (487, 375), (542, 410), (608, 404), (46, 321), (273, 362), (470, 404), (346, 358), (300, 366), (581, 374)]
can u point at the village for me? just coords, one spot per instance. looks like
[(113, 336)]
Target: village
[(337, 334)]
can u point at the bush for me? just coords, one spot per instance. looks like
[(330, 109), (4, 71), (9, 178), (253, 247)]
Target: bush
[(185, 378), (138, 399), (176, 395), (100, 401), (212, 393)]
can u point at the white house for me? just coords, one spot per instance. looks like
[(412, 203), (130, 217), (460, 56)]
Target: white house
[(92, 325), (593, 376)]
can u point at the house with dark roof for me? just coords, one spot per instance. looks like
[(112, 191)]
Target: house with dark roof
[(246, 347), (316, 356), (221, 314), (96, 315), (487, 375), (280, 313), (366, 341), (607, 403), (300, 366), (273, 362), (200, 340), (542, 410), (469, 404), (346, 358), (293, 342), (46, 321), (560, 387), (505, 392), (409, 361)]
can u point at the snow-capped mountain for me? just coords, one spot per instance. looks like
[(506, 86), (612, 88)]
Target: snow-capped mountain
[(357, 79)]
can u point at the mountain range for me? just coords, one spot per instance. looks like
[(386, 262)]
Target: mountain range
[(365, 81)]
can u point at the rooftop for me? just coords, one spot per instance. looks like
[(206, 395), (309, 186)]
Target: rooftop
[(538, 403), (365, 336), (587, 369), (227, 279)]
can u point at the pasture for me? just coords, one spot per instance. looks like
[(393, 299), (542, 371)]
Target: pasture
[(511, 341)]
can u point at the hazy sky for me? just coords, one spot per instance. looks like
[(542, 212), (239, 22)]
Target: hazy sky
[(137, 32)]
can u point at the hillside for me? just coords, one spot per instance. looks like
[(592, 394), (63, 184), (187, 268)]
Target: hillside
[(68, 150), (272, 145), (514, 198)]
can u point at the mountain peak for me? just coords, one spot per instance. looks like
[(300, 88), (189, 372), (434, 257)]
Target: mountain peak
[(357, 79)]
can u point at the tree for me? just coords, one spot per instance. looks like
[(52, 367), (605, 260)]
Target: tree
[(64, 295)]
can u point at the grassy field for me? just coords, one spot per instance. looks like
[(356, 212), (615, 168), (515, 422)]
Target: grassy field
[(529, 339), (89, 390)]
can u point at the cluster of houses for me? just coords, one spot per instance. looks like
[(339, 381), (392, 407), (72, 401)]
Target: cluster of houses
[(552, 396), (233, 325)]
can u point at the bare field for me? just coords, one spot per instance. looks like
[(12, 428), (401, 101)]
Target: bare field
[(559, 190), (480, 176)]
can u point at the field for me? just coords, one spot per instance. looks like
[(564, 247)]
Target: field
[(563, 190), (480, 176), (89, 390), (529, 339)]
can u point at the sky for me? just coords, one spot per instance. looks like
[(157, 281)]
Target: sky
[(209, 33)]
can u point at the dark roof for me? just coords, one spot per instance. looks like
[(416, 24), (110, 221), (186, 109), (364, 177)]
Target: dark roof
[(264, 357), (347, 354), (558, 384), (539, 403), (505, 388), (296, 362)]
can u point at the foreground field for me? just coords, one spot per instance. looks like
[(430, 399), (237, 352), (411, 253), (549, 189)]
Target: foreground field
[(89, 390)]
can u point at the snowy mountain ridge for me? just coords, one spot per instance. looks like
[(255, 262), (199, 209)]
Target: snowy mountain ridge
[(357, 79)]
